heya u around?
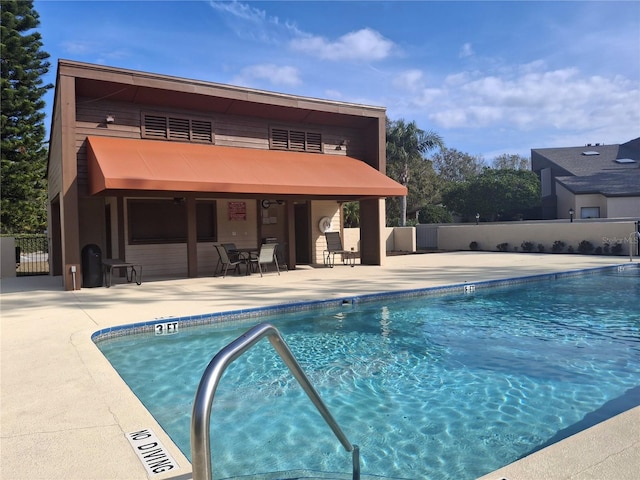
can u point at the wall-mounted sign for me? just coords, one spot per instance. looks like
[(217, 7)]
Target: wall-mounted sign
[(237, 210)]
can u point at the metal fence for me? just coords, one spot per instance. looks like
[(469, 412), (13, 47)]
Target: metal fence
[(426, 237), (32, 255)]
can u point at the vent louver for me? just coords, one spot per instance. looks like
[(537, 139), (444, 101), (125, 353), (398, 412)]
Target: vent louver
[(279, 139), (296, 140), (155, 126), (182, 129)]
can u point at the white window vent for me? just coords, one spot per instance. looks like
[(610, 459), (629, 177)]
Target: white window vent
[(625, 161), (590, 153)]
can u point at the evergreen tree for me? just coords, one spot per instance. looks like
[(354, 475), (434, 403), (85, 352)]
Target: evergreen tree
[(24, 156)]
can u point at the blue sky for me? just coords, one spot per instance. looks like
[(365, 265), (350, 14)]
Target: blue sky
[(489, 77)]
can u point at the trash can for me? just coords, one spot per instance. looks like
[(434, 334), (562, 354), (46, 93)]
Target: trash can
[(91, 266)]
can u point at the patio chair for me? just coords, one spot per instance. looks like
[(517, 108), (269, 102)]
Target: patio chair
[(282, 255), (232, 252), (334, 247), (266, 256), (224, 262)]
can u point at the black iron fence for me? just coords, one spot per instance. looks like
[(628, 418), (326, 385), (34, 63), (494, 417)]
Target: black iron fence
[(32, 255)]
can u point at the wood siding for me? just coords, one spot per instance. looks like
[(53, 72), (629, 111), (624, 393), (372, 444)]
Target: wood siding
[(229, 130), (88, 94)]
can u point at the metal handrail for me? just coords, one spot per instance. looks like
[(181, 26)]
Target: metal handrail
[(201, 414)]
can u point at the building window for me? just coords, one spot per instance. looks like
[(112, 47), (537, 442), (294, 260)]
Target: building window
[(295, 140), (181, 129), (165, 221), (590, 212), (206, 221)]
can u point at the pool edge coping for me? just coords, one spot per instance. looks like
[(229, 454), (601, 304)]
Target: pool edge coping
[(242, 315)]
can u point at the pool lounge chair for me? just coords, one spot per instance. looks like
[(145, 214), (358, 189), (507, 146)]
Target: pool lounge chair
[(334, 247)]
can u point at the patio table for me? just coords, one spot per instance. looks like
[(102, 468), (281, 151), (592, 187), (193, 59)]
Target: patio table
[(244, 254)]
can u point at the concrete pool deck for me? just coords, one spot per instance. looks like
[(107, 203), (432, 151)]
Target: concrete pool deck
[(65, 412)]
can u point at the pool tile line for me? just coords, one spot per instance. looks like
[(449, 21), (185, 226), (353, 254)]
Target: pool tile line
[(256, 312)]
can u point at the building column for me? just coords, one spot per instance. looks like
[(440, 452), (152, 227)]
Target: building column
[(372, 223), (192, 238)]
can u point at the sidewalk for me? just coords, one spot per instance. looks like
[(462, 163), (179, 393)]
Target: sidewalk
[(65, 411)]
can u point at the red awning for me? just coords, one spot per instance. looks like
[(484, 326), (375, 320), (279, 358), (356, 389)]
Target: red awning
[(149, 165)]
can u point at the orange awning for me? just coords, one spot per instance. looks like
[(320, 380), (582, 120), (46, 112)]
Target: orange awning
[(149, 165)]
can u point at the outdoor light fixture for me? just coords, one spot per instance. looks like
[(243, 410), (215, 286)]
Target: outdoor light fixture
[(571, 212), (110, 119), (477, 218)]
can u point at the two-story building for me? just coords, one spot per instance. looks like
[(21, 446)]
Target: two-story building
[(153, 169), (593, 181)]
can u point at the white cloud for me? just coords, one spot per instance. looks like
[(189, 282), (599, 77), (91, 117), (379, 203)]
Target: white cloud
[(78, 47), (530, 98), (251, 22), (94, 52), (240, 10), (334, 94), (456, 79), (410, 80), (274, 74), (364, 44), (466, 51)]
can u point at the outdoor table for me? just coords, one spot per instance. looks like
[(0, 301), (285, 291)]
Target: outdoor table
[(133, 271), (244, 254)]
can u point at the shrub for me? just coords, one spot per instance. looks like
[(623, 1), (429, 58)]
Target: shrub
[(540, 248), (474, 246), (557, 246), (607, 248), (569, 249), (598, 251), (616, 249), (585, 246), (502, 247), (527, 246)]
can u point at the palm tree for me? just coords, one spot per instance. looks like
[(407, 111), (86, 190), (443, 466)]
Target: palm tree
[(406, 143)]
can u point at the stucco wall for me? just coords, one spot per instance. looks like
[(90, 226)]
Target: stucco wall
[(489, 235), (7, 257), (401, 239), (320, 209), (620, 207), (404, 239)]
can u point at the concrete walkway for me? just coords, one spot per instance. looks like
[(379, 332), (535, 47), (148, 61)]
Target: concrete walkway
[(65, 411)]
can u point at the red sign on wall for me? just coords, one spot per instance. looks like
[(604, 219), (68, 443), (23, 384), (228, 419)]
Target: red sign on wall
[(237, 210)]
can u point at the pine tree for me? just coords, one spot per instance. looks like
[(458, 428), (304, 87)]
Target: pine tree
[(24, 156)]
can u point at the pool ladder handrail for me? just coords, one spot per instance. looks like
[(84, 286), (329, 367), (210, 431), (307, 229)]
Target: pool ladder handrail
[(201, 414)]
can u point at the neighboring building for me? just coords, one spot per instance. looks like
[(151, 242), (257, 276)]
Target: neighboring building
[(153, 169), (594, 181)]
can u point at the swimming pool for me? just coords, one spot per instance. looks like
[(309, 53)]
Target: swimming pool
[(450, 386)]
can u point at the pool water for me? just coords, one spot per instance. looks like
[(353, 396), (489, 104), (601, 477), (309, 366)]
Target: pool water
[(438, 387)]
